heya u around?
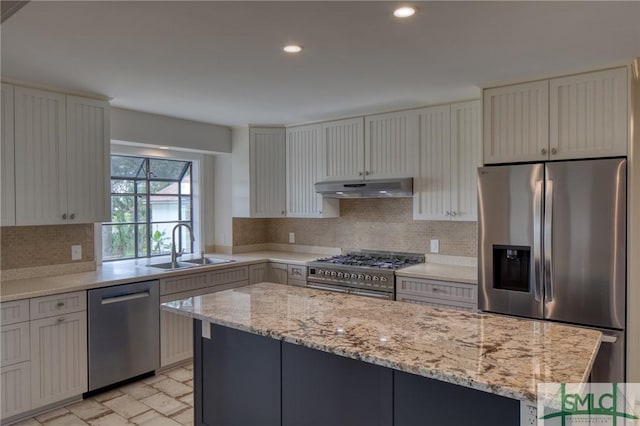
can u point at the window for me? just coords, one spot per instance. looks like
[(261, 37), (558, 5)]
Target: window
[(149, 196)]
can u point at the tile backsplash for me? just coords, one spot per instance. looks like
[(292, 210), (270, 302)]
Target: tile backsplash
[(35, 246), (384, 224)]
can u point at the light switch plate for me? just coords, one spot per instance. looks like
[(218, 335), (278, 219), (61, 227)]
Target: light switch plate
[(76, 252), (292, 237), (435, 246)]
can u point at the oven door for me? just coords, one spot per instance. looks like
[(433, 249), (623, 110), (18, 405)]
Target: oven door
[(350, 290)]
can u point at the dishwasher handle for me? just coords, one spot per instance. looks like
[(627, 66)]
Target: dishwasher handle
[(124, 298)]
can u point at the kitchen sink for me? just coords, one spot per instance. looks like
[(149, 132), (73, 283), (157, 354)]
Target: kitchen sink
[(191, 263), (208, 261)]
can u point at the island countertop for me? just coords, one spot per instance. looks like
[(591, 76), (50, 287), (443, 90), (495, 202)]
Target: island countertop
[(497, 354)]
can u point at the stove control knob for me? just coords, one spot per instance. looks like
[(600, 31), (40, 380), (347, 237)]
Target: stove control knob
[(376, 278), (354, 276), (320, 271), (361, 276), (367, 277), (334, 273), (340, 274), (383, 279)]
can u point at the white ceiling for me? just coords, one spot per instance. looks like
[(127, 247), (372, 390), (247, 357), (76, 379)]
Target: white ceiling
[(220, 62)]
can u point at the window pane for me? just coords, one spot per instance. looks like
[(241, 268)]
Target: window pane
[(126, 167), (120, 186), (185, 208), (122, 208), (160, 238), (185, 185), (117, 241), (142, 209), (164, 208), (163, 187), (166, 169), (143, 239), (142, 187)]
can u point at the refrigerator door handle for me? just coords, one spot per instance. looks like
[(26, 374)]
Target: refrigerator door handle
[(537, 242), (548, 243)]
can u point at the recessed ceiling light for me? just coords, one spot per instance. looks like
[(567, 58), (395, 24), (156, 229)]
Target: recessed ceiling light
[(404, 12), (292, 48)]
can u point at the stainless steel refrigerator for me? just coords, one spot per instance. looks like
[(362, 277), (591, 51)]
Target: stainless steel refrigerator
[(552, 245)]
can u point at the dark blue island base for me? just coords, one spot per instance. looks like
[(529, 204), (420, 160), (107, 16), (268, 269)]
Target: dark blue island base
[(243, 379)]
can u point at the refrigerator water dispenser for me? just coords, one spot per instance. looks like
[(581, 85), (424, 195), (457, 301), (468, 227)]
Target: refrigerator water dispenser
[(511, 268)]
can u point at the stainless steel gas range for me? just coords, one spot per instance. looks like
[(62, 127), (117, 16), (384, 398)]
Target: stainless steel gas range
[(366, 273)]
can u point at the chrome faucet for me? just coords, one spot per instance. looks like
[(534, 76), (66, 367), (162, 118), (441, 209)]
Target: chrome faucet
[(174, 253)]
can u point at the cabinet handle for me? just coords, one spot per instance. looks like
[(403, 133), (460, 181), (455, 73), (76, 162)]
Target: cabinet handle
[(453, 213), (554, 151), (282, 212), (61, 319), (64, 216), (359, 173), (543, 151), (367, 173), (59, 304), (448, 213), (320, 212), (73, 216)]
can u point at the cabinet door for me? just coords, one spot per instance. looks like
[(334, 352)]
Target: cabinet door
[(176, 338), (278, 273), (58, 358), (88, 148), (465, 160), (389, 145), (258, 273), (304, 164), (432, 182), (516, 123), (267, 170), (14, 341), (589, 115), (15, 386), (40, 157), (343, 149), (7, 173)]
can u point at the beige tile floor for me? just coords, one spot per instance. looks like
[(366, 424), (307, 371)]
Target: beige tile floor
[(165, 399)]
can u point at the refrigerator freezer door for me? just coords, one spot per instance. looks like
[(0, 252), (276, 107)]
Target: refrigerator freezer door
[(510, 202), (587, 226)]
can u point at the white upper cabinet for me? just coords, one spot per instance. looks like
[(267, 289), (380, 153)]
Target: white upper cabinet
[(389, 145), (267, 172), (305, 161), (589, 115), (447, 158), (342, 145), (40, 157), (8, 213), (88, 149), (516, 123), (61, 158)]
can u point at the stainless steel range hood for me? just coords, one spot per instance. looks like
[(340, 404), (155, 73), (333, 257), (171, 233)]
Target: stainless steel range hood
[(381, 188)]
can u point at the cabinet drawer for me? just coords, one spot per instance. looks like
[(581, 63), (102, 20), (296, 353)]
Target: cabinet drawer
[(435, 302), (183, 283), (297, 272), (14, 343), (58, 304), (466, 293), (230, 275), (13, 312)]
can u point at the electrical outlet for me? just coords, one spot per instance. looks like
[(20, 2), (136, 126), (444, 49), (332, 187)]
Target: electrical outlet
[(76, 252), (528, 414), (292, 237), (435, 246)]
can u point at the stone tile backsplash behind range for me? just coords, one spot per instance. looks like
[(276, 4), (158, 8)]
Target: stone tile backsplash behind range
[(383, 224)]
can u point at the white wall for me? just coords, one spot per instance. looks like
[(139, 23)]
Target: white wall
[(159, 130)]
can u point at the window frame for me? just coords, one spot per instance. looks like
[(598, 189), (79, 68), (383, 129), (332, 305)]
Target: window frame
[(147, 177)]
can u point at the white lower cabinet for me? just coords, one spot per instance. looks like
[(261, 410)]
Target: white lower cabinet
[(58, 358), (176, 331), (461, 296), (15, 387)]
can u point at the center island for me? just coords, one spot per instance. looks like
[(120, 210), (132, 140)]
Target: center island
[(277, 355)]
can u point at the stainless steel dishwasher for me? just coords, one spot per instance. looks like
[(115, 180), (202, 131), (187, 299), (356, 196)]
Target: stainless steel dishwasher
[(124, 332)]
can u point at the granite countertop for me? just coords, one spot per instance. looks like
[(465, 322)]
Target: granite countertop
[(438, 271), (126, 271), (501, 355)]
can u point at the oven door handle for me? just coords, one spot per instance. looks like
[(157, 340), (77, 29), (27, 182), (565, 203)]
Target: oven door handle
[(386, 296), (327, 288)]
